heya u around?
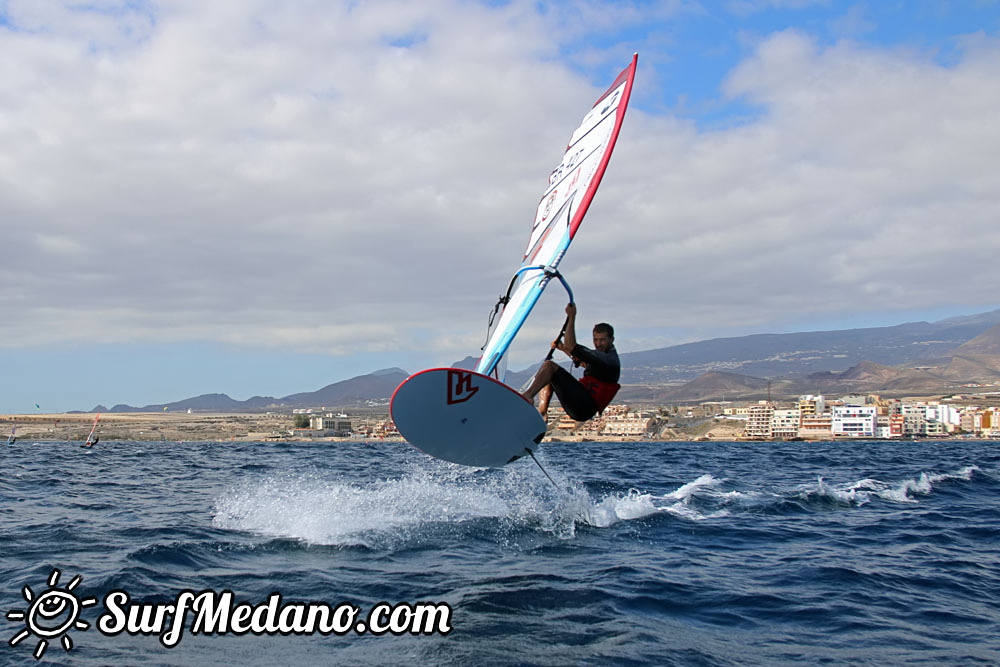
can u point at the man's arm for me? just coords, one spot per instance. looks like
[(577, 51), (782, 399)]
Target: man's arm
[(569, 337), (604, 366)]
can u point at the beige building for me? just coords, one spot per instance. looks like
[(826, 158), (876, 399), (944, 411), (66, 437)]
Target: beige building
[(759, 421), (816, 427), (625, 424), (811, 405)]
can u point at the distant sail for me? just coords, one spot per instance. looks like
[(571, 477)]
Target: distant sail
[(560, 211), (90, 438)]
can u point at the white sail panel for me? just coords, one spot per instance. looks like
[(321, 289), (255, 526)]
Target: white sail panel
[(560, 211)]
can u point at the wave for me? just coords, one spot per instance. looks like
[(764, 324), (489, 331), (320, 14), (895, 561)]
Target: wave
[(323, 511), (327, 511), (905, 491), (709, 498)]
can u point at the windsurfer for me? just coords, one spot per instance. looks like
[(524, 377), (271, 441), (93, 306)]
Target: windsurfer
[(583, 398)]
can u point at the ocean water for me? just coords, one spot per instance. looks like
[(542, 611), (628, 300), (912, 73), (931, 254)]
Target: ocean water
[(649, 553)]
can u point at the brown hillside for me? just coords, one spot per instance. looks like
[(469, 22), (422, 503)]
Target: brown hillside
[(868, 371), (986, 343), (717, 385), (973, 368)]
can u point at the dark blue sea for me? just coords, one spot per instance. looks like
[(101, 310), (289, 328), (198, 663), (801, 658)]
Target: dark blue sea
[(650, 553)]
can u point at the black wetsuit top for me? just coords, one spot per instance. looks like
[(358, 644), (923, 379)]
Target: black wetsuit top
[(603, 366), (583, 398)]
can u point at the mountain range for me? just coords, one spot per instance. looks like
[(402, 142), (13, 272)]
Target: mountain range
[(917, 358)]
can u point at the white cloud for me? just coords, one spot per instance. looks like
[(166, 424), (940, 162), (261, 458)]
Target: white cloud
[(327, 177), (861, 185), (280, 159)]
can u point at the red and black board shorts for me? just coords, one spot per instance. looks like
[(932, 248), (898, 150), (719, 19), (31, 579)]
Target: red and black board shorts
[(575, 399)]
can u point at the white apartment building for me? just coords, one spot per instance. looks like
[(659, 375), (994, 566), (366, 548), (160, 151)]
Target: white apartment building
[(942, 419), (785, 423), (883, 427), (853, 421), (332, 425)]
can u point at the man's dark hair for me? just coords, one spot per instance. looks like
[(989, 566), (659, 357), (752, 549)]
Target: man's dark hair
[(605, 328)]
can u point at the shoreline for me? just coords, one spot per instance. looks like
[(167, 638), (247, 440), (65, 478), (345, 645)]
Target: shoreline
[(240, 427)]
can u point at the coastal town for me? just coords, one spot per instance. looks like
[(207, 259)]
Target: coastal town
[(810, 417), (871, 416)]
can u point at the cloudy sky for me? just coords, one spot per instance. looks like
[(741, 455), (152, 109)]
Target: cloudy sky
[(257, 197)]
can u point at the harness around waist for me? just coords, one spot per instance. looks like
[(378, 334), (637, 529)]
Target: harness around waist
[(602, 392)]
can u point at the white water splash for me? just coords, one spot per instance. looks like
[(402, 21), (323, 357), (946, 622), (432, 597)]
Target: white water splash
[(341, 513), (685, 492), (332, 512), (906, 491), (615, 508)]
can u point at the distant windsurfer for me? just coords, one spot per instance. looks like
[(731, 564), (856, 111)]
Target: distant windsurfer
[(91, 443), (583, 398)]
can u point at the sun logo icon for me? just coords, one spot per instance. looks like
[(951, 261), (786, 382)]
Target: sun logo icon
[(52, 614)]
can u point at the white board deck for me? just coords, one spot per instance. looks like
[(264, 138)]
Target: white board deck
[(465, 417)]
